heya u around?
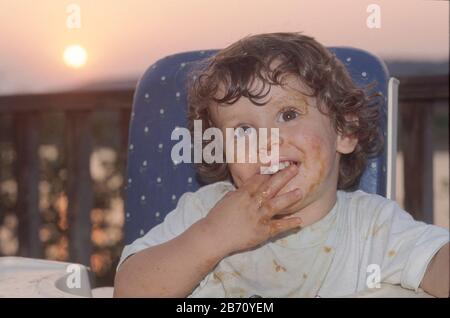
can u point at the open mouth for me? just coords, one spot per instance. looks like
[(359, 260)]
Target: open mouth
[(278, 167)]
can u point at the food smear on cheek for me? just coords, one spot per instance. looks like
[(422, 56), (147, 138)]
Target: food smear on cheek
[(318, 168)]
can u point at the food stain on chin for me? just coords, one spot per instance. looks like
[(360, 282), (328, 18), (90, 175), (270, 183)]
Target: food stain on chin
[(316, 183), (278, 268), (315, 158)]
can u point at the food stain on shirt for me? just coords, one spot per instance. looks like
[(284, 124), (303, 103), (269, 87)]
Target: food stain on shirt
[(283, 242), (327, 249), (238, 292), (391, 253), (305, 275), (278, 268), (236, 274), (321, 162), (377, 229), (218, 276), (222, 276)]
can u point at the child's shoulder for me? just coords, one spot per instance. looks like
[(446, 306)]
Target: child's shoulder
[(365, 206), (361, 196)]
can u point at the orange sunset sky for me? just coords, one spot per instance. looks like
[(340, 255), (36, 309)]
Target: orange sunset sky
[(122, 38)]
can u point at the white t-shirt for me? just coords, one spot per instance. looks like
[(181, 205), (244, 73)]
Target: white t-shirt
[(363, 240)]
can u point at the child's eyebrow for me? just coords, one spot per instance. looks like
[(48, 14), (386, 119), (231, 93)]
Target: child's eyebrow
[(292, 101)]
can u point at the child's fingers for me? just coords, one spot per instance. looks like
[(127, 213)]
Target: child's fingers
[(284, 225), (276, 182), (277, 204), (254, 183)]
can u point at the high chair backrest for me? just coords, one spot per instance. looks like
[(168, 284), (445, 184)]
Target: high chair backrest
[(154, 182)]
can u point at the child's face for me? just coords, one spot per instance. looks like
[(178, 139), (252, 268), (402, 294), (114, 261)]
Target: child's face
[(306, 136)]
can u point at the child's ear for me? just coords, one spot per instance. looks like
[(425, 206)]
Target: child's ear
[(346, 143)]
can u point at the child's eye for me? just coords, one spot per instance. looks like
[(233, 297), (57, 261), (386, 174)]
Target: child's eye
[(243, 130), (288, 115)]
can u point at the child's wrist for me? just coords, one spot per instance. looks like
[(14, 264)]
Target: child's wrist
[(212, 239)]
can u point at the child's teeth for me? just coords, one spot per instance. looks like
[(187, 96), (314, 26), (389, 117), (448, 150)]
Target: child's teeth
[(286, 164), (275, 168)]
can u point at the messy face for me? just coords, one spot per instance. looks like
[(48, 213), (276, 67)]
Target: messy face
[(307, 139)]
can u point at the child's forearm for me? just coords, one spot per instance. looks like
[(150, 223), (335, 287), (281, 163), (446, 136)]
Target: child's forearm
[(172, 269), (436, 279)]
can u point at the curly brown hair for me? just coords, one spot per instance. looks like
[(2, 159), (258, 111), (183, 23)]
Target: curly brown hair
[(352, 110)]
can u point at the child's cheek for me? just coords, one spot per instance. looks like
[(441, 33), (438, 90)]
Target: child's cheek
[(315, 163)]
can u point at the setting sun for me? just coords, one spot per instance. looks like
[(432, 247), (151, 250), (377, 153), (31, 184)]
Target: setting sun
[(75, 56)]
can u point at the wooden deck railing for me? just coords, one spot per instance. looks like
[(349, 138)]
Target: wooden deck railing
[(77, 108), (418, 97)]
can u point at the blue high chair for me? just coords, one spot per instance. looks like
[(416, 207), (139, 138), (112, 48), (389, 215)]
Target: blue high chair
[(154, 182)]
